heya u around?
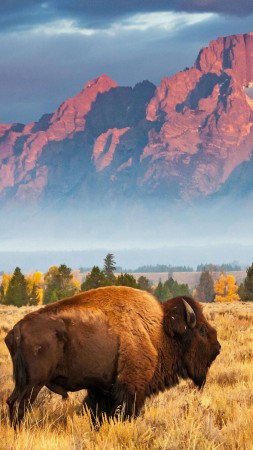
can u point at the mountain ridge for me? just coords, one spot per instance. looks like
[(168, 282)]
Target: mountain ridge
[(179, 141)]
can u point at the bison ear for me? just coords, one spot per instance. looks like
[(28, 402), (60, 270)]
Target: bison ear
[(178, 316)]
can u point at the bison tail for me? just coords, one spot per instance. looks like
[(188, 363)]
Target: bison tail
[(19, 365)]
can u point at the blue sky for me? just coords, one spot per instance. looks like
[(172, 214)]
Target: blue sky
[(50, 49)]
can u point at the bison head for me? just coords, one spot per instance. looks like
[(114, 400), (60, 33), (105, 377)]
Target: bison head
[(195, 338)]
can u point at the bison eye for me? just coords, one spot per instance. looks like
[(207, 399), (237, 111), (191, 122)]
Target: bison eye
[(203, 330)]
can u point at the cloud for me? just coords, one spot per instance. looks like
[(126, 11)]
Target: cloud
[(17, 15), (54, 60), (116, 8), (49, 50), (60, 27), (166, 21), (227, 7)]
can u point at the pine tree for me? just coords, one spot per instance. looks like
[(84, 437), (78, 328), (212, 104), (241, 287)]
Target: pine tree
[(144, 283), (34, 296), (176, 289), (205, 288), (166, 294), (109, 268), (158, 292), (246, 288), (37, 279), (125, 279), (162, 291), (17, 293), (59, 283), (95, 279)]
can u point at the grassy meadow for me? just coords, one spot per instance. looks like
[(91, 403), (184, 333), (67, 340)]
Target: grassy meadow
[(182, 418)]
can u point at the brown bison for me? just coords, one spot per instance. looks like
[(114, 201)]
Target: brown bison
[(119, 343)]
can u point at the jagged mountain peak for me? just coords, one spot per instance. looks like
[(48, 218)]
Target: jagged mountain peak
[(233, 52), (103, 83), (71, 114), (181, 140)]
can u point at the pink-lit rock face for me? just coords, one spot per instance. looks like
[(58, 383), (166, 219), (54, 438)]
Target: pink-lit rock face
[(70, 116), (183, 139), (105, 146), (207, 123), (232, 52), (21, 149)]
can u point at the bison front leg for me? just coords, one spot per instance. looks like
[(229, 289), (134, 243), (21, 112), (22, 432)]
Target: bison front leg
[(19, 403), (127, 401), (11, 402), (135, 371), (99, 403)]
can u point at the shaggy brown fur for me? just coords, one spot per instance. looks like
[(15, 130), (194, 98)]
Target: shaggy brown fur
[(119, 343)]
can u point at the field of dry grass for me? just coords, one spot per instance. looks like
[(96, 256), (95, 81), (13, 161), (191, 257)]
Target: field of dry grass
[(182, 418)]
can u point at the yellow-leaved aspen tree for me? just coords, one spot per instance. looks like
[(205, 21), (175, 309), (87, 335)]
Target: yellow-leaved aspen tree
[(226, 289)]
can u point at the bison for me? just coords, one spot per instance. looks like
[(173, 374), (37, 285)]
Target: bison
[(119, 343)]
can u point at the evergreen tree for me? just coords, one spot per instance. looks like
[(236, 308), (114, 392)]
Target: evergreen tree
[(59, 283), (205, 288), (144, 284), (35, 293), (176, 289), (109, 268), (246, 288), (34, 296), (17, 293), (126, 280), (158, 292), (162, 292), (166, 294), (95, 279)]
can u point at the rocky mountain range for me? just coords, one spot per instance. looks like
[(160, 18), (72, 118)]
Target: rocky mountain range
[(189, 139)]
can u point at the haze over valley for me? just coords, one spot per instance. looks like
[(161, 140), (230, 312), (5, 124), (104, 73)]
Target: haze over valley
[(159, 174)]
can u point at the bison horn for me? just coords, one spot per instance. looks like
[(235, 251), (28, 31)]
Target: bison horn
[(191, 318)]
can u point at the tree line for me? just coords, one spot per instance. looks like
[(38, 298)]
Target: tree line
[(224, 288), (228, 267), (59, 282), (150, 268), (162, 268), (35, 289)]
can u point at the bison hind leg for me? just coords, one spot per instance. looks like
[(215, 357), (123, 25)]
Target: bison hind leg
[(100, 405)]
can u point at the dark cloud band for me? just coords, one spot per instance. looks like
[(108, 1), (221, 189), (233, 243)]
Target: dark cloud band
[(122, 7), (15, 14)]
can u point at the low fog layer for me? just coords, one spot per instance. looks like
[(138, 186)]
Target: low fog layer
[(166, 234)]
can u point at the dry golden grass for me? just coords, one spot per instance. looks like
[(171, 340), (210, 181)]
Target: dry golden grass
[(220, 417)]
